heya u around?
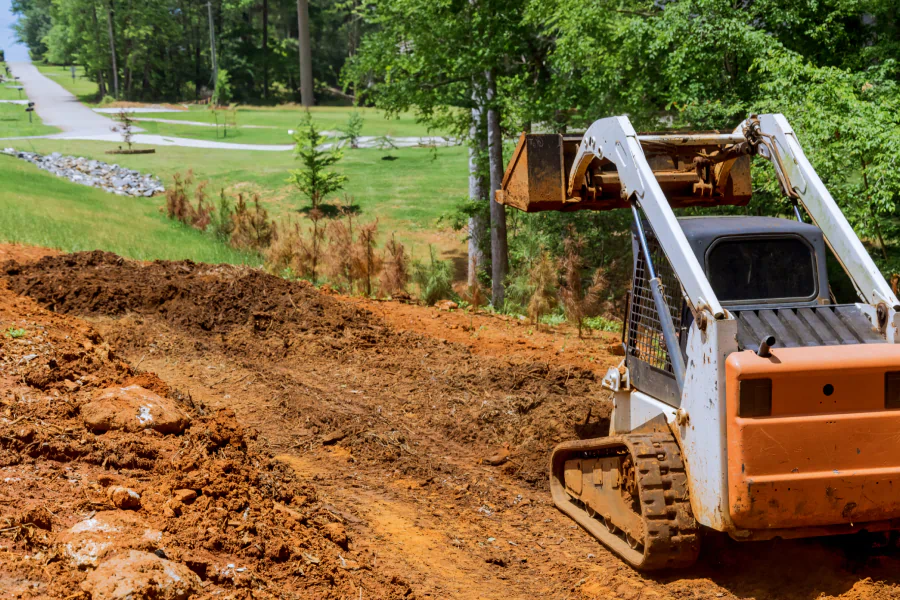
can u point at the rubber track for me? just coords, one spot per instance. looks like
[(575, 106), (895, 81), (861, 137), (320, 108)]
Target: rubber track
[(672, 536)]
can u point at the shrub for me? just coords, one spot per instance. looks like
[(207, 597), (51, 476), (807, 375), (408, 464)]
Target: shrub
[(178, 205), (599, 323), (176, 197), (223, 217), (366, 263), (222, 93), (288, 254), (107, 100), (434, 278), (252, 228), (579, 303), (339, 256), (125, 127), (313, 178), (353, 130), (395, 269), (543, 280)]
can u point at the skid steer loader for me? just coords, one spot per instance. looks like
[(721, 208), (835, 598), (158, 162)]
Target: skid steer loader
[(749, 401)]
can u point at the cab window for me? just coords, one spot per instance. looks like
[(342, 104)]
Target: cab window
[(746, 270)]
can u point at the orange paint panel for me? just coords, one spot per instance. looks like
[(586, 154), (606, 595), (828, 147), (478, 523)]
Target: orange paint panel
[(830, 452)]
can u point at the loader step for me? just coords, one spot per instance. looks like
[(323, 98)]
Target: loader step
[(631, 493)]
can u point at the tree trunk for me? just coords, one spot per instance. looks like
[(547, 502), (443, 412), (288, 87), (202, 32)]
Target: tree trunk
[(499, 248), (112, 50), (101, 83), (477, 191), (265, 48), (306, 77), (212, 45)]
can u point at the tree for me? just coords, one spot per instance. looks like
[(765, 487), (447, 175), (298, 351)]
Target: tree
[(163, 49), (315, 179), (306, 78), (451, 63), (353, 130), (222, 92)]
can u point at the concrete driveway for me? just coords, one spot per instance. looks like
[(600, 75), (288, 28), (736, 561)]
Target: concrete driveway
[(57, 106)]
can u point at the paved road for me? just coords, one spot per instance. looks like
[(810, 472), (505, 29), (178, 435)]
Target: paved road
[(57, 106), (60, 108)]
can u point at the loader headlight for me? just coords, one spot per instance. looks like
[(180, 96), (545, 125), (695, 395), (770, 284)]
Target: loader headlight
[(892, 389), (756, 398)]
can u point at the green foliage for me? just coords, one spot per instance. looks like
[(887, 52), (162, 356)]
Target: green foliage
[(434, 278), (222, 219), (314, 179), (353, 130), (553, 319), (14, 122), (850, 124), (15, 333), (600, 323), (163, 46), (106, 100), (222, 93)]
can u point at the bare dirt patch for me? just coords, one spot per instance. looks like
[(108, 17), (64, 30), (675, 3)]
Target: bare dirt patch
[(501, 336), (391, 423), (211, 501), (22, 253)]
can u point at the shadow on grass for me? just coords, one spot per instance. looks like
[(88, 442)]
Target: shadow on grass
[(332, 211)]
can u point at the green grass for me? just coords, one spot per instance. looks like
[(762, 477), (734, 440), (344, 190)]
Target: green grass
[(407, 196), (6, 93), (14, 122), (40, 209), (84, 89), (237, 136), (283, 118)]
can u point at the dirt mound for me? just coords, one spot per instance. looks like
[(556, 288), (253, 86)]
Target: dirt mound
[(266, 320), (209, 298), (211, 500)]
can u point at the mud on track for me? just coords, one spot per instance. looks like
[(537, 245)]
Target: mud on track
[(390, 427)]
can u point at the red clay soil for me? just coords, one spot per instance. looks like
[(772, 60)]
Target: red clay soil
[(24, 253), (385, 421), (501, 336), (248, 525)]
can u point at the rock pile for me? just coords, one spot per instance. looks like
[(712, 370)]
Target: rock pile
[(110, 178)]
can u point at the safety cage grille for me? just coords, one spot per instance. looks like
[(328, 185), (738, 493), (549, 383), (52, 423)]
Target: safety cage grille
[(645, 337)]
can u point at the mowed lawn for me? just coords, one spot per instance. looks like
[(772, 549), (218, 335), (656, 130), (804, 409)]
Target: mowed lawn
[(41, 209), (408, 196), (82, 87), (14, 123), (9, 91), (270, 125)]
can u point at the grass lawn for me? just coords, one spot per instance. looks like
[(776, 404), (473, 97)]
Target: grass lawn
[(14, 122), (8, 93), (283, 118), (82, 87), (41, 209), (238, 136), (407, 196)]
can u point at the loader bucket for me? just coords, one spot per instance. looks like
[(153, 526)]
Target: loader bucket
[(693, 169)]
